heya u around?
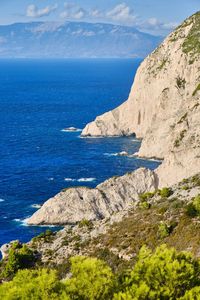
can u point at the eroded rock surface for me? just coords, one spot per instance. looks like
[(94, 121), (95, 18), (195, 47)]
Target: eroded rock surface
[(75, 204)]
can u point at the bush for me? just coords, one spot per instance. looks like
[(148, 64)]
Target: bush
[(146, 196), (193, 294), (46, 236), (164, 274), (165, 192), (196, 203), (163, 230), (144, 205), (193, 208), (85, 223), (33, 285), (91, 279), (19, 257)]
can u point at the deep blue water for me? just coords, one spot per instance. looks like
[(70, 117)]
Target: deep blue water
[(37, 100)]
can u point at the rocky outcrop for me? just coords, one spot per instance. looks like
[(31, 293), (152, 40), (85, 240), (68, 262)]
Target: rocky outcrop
[(75, 204), (125, 232), (163, 107)]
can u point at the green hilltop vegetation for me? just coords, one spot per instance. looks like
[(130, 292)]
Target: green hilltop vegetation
[(163, 274)]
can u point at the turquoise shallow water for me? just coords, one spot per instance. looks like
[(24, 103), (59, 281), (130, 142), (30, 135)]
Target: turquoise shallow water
[(37, 159)]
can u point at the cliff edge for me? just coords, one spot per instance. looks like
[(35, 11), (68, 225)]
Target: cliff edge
[(163, 106)]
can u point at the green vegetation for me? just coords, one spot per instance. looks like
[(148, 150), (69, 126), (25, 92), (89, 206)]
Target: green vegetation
[(163, 63), (33, 285), (91, 279), (165, 192), (163, 230), (193, 208), (163, 274), (180, 82), (180, 138), (191, 44), (196, 90), (46, 236), (144, 205), (20, 257), (146, 196), (86, 223)]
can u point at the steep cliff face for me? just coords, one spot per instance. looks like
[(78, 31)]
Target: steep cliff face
[(163, 107)]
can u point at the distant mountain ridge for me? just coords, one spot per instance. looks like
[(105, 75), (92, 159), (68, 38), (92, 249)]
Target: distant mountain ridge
[(73, 40)]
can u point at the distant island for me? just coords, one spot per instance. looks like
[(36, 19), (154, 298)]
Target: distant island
[(74, 40)]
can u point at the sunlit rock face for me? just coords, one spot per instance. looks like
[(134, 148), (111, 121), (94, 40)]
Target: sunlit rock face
[(163, 106)]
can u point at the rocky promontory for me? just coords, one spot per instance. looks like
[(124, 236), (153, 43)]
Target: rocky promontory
[(75, 204)]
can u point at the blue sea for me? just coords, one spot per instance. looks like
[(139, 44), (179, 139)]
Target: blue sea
[(37, 159)]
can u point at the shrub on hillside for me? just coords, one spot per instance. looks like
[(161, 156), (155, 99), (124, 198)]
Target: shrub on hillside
[(19, 257), (163, 274)]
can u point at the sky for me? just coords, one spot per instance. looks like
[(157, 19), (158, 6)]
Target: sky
[(154, 16)]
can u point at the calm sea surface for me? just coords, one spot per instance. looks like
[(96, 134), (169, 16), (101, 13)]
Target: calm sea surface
[(37, 159)]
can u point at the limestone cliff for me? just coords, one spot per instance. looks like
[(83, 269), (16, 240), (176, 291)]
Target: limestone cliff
[(113, 195), (163, 106)]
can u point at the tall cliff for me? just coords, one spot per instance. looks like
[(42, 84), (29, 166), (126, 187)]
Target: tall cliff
[(163, 105)]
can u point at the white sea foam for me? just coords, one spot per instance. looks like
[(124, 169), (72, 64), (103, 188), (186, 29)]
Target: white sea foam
[(2, 200), (24, 223), (70, 179), (71, 129), (123, 153), (36, 205), (90, 179), (136, 140), (86, 179), (17, 220), (111, 154), (51, 179)]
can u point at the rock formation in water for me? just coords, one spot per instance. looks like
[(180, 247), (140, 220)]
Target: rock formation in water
[(163, 107)]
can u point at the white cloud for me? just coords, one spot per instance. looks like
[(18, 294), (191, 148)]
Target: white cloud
[(153, 24), (34, 12), (95, 13), (73, 11), (79, 14), (122, 13)]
